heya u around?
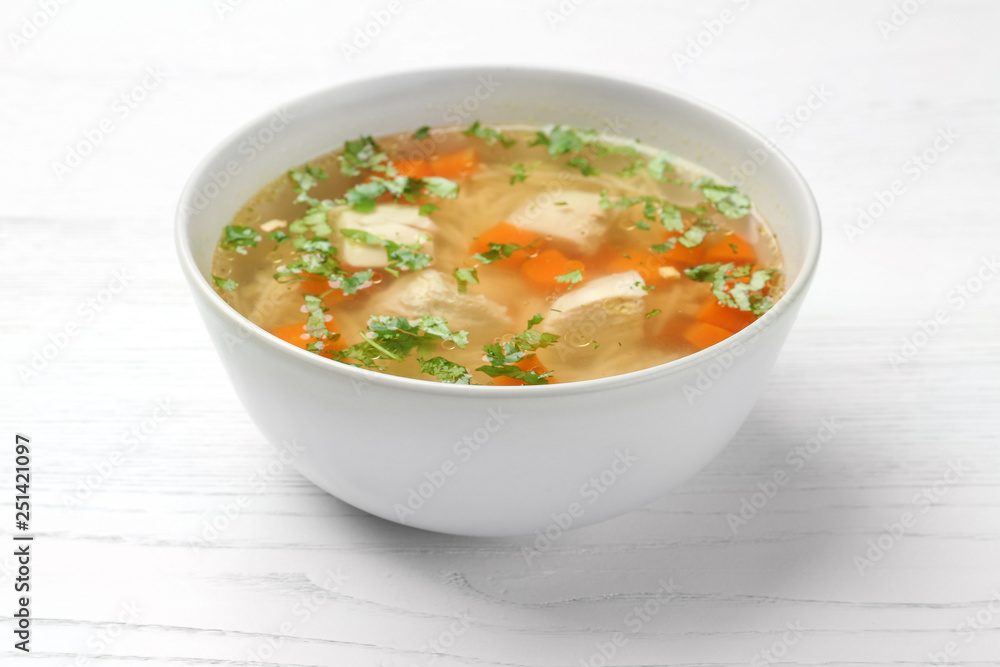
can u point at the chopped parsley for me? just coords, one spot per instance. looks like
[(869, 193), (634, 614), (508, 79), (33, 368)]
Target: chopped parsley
[(500, 251), (632, 170), (350, 283), (653, 313), (225, 283), (361, 154), (278, 236), (653, 209), (695, 234), (489, 134), (583, 164), (520, 171), (465, 277), (422, 133), (570, 278), (401, 257), (363, 197), (727, 200), (239, 238), (660, 165), (439, 187), (316, 324), (733, 292), (395, 337), (445, 371), (305, 180), (559, 140), (505, 355), (563, 140)]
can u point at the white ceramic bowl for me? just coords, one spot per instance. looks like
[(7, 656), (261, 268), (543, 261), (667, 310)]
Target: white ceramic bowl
[(483, 460)]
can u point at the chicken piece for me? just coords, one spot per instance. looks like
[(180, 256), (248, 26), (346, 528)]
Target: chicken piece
[(608, 312), (574, 218), (394, 222), (431, 292)]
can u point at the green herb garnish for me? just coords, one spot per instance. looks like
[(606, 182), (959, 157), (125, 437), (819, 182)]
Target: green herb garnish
[(490, 135), (570, 278), (225, 283), (505, 356), (729, 201), (239, 238), (278, 236), (733, 292), (631, 170), (362, 153), (583, 164), (660, 165), (653, 209), (500, 251), (465, 277), (521, 171), (401, 257), (395, 337), (445, 371)]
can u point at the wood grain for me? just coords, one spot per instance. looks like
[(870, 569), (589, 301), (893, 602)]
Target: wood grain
[(125, 571)]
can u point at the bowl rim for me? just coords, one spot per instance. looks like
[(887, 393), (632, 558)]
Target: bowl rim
[(792, 295)]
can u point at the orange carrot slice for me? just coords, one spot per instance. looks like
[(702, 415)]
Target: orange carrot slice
[(297, 335), (527, 364), (543, 269), (681, 255), (646, 263), (731, 319), (455, 165), (702, 335), (413, 168), (734, 248), (315, 284), (506, 234)]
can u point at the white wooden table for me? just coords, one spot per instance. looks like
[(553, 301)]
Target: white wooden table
[(880, 546)]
